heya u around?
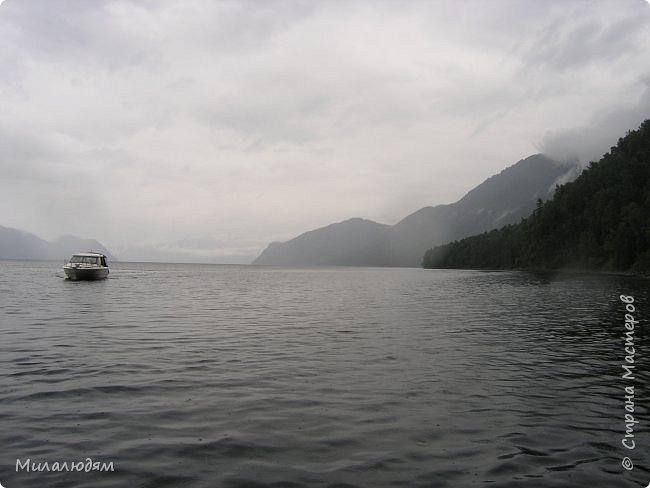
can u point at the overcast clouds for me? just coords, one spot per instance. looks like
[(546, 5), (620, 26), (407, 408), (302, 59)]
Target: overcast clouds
[(223, 125)]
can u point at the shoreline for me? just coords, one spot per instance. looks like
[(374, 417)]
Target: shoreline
[(568, 271)]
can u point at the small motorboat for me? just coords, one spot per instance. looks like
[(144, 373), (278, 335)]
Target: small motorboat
[(86, 266)]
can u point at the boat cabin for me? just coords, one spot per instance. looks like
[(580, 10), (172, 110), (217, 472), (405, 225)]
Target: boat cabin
[(88, 259)]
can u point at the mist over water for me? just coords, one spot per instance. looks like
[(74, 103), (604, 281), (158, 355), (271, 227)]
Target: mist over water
[(242, 376)]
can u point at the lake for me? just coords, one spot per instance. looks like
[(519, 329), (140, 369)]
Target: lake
[(243, 376)]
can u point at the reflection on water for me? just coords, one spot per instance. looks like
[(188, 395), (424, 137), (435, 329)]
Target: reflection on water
[(233, 376)]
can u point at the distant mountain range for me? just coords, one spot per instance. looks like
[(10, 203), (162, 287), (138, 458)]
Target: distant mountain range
[(502, 199), (18, 244), (340, 244), (599, 221)]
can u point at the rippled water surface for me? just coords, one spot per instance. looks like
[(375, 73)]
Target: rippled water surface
[(237, 376)]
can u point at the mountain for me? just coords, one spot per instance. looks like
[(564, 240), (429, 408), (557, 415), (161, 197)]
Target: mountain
[(501, 199), (18, 244), (331, 245), (600, 221)]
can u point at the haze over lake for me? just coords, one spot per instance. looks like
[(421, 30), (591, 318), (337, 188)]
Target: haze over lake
[(239, 376)]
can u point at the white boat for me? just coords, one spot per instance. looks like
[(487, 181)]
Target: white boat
[(86, 266)]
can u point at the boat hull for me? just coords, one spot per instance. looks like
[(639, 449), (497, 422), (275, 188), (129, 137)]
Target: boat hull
[(88, 274)]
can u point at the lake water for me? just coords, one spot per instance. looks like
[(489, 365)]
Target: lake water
[(242, 376)]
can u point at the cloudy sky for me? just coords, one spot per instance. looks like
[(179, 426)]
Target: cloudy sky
[(214, 127)]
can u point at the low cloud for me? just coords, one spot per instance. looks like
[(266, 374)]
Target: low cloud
[(591, 141), (148, 123)]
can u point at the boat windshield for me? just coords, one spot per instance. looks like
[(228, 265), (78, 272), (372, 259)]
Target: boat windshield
[(85, 259)]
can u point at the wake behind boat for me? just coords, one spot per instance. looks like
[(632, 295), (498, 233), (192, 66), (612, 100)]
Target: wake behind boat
[(86, 266)]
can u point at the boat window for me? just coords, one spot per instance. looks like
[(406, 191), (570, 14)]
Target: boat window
[(85, 259)]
